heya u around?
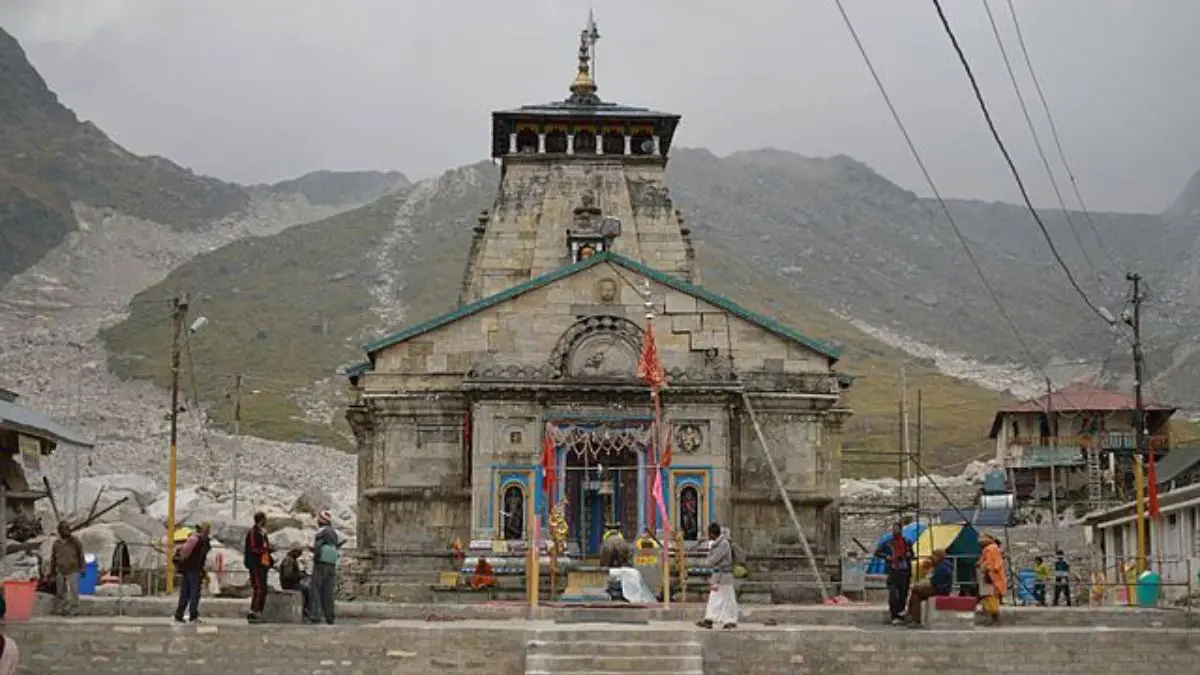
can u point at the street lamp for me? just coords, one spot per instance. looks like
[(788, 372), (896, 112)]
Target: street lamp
[(179, 316)]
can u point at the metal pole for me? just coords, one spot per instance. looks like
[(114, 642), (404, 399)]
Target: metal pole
[(920, 434), (1139, 421), (180, 314), (907, 459), (237, 436), (1052, 424)]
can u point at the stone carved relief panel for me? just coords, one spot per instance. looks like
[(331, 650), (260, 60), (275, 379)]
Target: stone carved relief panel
[(691, 437), (603, 347)]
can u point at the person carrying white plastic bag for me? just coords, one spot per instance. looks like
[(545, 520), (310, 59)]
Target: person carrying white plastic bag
[(722, 609)]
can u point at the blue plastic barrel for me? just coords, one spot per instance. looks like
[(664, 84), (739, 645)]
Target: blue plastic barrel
[(1025, 581), (1149, 589), (90, 575)]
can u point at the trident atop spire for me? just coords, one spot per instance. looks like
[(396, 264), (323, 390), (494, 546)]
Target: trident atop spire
[(583, 89)]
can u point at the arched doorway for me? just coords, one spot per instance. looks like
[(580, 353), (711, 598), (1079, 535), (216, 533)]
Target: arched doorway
[(512, 514), (604, 481)]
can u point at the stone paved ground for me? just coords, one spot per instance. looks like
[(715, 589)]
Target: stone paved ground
[(137, 646)]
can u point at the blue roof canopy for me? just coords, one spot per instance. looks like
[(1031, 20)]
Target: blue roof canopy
[(30, 423)]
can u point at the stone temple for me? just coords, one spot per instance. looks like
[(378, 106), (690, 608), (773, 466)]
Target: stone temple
[(452, 415)]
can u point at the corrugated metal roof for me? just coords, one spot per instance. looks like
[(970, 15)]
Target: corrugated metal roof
[(30, 423), (1080, 397), (1083, 398), (1179, 460)]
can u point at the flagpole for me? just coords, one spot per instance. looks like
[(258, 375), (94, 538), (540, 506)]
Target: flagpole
[(652, 371)]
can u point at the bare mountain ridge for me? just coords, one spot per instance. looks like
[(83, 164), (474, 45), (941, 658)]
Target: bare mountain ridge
[(50, 160)]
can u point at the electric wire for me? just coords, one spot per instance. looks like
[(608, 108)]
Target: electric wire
[(1037, 143), (1062, 155), (1012, 167), (962, 240)]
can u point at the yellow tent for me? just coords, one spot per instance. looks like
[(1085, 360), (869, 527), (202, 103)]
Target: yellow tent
[(935, 537)]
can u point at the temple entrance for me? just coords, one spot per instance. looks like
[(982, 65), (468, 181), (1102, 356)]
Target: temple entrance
[(604, 481)]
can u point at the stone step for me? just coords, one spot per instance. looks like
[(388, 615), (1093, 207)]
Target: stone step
[(619, 647), (636, 663), (696, 671)]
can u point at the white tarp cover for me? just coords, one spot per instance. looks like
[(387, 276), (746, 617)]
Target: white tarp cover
[(633, 587)]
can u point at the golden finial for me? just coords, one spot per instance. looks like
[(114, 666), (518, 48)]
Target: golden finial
[(584, 86), (583, 89)]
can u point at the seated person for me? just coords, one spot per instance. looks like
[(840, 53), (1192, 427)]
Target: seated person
[(292, 576), (484, 576), (939, 582)]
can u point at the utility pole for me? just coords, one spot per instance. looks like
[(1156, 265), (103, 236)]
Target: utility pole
[(237, 433), (907, 463), (180, 318), (1139, 419), (920, 434), (1052, 424)]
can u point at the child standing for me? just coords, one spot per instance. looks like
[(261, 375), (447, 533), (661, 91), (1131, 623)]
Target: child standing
[(1041, 575), (1062, 578)]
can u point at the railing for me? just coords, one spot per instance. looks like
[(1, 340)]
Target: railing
[(1106, 440)]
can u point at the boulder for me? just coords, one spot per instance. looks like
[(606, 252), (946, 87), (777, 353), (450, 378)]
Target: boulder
[(284, 539), (312, 501)]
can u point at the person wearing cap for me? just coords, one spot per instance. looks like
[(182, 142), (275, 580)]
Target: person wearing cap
[(325, 558), (292, 577), (190, 560)]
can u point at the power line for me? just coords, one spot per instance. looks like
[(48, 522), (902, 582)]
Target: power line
[(1054, 134), (987, 116), (962, 240), (1037, 143)]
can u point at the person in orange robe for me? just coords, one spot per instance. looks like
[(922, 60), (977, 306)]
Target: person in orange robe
[(993, 577), (484, 576)]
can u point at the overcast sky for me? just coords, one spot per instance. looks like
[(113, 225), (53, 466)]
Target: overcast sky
[(260, 90)]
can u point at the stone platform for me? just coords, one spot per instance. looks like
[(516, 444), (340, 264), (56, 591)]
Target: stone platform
[(854, 615), (131, 646)]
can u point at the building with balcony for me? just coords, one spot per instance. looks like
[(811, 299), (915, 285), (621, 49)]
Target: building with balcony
[(1081, 438)]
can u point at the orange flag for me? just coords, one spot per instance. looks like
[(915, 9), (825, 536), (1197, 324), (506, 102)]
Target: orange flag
[(650, 368)]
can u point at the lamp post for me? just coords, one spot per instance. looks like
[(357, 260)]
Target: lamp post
[(179, 316)]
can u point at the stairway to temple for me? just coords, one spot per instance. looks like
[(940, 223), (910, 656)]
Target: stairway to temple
[(626, 653)]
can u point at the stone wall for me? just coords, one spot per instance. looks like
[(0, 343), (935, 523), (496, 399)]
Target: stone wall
[(102, 647)]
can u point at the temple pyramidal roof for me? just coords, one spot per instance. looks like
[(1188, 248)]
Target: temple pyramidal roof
[(584, 103)]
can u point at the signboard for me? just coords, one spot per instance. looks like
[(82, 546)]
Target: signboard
[(31, 457), (648, 562)]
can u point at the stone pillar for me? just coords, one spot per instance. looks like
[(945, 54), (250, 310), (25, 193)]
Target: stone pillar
[(541, 142), (628, 144), (570, 144), (512, 143), (657, 144)]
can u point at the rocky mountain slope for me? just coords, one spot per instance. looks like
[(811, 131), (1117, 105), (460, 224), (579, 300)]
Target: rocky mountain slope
[(85, 226)]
